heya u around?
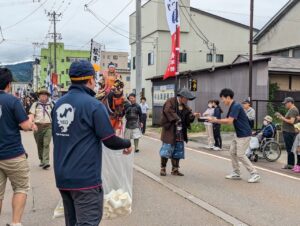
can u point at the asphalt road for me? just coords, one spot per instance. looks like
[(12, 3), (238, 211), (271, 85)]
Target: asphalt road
[(274, 201), (153, 204)]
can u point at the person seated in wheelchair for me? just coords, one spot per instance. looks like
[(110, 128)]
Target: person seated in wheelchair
[(268, 130)]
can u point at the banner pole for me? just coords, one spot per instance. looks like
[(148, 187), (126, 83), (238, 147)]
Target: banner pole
[(177, 65), (91, 50)]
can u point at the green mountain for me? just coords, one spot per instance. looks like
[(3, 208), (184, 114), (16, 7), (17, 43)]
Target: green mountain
[(22, 72)]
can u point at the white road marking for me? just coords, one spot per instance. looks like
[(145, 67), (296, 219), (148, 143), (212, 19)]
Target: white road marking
[(227, 159), (199, 202)]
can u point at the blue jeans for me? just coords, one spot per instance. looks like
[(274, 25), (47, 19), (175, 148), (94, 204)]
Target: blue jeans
[(289, 139), (83, 208)]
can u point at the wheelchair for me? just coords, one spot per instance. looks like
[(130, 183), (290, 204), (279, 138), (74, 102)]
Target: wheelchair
[(268, 149)]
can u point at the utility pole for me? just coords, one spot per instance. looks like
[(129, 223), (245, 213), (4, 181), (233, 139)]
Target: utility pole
[(54, 18), (138, 56), (251, 49)]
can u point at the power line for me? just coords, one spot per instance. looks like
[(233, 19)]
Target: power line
[(13, 3), (110, 22), (205, 40), (26, 17), (67, 7)]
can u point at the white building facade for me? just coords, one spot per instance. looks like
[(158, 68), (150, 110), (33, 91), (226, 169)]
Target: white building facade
[(207, 41)]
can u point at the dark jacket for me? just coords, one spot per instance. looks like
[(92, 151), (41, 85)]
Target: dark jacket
[(268, 131), (133, 115), (169, 119), (218, 114)]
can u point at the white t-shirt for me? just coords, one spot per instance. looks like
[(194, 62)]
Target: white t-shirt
[(144, 108)]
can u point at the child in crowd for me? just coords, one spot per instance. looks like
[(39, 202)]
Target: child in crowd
[(208, 125), (217, 127), (296, 148)]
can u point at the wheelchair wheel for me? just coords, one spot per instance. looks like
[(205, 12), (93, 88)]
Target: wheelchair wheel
[(271, 151), (255, 158)]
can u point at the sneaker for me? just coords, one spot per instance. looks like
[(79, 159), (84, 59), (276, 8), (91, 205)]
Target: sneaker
[(296, 169), (46, 166), (209, 147), (233, 176), (137, 151), (255, 178), (41, 165), (287, 167), (217, 149)]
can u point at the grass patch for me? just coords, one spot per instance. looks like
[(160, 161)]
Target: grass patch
[(197, 127)]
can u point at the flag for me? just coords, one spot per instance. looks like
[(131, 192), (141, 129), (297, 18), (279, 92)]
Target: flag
[(48, 81), (173, 19), (96, 59)]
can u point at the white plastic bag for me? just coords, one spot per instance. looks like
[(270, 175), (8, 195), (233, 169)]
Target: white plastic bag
[(59, 210), (254, 143), (117, 175)]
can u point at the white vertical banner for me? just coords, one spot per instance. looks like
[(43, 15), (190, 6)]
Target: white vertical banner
[(95, 53), (96, 60), (173, 19)]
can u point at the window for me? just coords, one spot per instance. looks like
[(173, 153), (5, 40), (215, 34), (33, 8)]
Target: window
[(150, 58), (128, 79), (285, 53), (115, 57), (296, 53), (63, 72), (62, 60), (103, 64), (183, 58), (45, 69), (67, 71), (103, 56), (45, 57), (220, 58), (116, 65), (133, 63), (209, 57), (108, 57), (73, 59)]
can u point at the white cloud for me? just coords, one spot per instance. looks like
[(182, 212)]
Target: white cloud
[(78, 26)]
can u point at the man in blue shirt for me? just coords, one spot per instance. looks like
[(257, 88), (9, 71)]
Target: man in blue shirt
[(13, 161), (237, 117), (80, 126)]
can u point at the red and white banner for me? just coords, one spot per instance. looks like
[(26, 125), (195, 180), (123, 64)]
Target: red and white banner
[(172, 13)]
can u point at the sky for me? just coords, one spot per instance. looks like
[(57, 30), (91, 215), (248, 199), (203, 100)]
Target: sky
[(24, 22)]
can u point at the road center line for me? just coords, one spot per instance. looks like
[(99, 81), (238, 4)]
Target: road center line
[(228, 159), (199, 202)]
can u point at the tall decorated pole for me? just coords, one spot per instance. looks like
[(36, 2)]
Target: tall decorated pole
[(173, 19)]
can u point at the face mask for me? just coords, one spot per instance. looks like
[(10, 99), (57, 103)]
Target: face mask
[(265, 123)]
